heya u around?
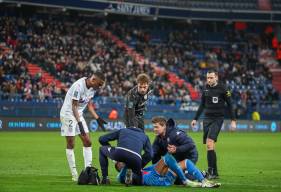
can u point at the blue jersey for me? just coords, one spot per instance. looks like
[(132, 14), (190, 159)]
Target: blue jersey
[(151, 177)]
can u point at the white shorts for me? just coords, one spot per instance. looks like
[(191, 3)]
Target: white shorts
[(69, 126)]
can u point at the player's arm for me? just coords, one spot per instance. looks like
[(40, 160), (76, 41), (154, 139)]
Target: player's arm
[(130, 107), (100, 121), (76, 115), (74, 105), (92, 110), (75, 110), (105, 139), (199, 111), (227, 96), (147, 156), (185, 143)]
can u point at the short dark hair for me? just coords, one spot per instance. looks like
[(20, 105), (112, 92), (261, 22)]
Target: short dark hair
[(159, 119), (143, 78), (213, 71), (99, 75)]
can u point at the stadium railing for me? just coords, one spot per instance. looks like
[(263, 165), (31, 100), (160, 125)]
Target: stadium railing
[(18, 107)]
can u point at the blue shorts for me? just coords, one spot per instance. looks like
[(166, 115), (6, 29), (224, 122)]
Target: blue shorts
[(152, 178)]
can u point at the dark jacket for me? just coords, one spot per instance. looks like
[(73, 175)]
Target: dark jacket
[(186, 148), (133, 139), (213, 101), (135, 107)]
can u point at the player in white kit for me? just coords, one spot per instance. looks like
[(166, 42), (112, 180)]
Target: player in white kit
[(79, 96)]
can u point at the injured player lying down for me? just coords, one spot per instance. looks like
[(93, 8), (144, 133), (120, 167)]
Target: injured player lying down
[(165, 172)]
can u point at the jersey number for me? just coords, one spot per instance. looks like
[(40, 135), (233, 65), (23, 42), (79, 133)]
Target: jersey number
[(70, 127), (70, 123)]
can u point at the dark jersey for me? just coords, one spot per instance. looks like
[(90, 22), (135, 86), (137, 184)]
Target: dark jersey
[(130, 139), (135, 107), (213, 102), (186, 148)]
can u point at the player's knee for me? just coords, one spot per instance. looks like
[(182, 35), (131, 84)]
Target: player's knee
[(69, 142), (101, 150), (167, 156), (70, 145), (168, 159), (87, 143), (210, 144)]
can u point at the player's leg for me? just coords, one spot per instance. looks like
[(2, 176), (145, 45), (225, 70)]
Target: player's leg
[(71, 157), (104, 153), (134, 174), (133, 163), (206, 128), (68, 131), (87, 144), (124, 173), (211, 156), (214, 129), (171, 162), (190, 167)]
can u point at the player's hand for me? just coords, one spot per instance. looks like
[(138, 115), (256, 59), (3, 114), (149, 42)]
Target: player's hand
[(193, 123), (232, 125), (171, 149), (101, 123), (81, 128)]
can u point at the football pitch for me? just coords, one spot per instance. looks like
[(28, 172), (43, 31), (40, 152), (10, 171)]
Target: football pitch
[(36, 161)]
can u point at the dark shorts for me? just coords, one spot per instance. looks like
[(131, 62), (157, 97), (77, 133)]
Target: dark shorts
[(211, 128), (131, 160)]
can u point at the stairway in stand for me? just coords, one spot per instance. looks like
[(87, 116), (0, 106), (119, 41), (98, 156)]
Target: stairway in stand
[(173, 78), (276, 79), (46, 77)]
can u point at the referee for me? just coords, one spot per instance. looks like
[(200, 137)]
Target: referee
[(136, 101), (214, 97)]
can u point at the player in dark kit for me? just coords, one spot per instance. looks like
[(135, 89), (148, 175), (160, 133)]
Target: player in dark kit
[(130, 144), (136, 100), (214, 97)]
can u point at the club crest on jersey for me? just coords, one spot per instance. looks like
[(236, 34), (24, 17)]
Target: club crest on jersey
[(168, 139), (215, 99), (228, 93), (145, 97)]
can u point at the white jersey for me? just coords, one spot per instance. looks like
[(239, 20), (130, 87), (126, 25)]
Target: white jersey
[(78, 91)]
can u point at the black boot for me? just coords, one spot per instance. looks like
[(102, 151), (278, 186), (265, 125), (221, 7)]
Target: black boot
[(105, 181)]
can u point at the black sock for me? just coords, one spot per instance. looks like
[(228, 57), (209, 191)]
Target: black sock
[(211, 156), (215, 164)]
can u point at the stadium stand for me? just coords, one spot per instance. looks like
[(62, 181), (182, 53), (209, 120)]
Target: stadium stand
[(46, 53)]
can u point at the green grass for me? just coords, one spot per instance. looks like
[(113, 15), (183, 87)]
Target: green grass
[(36, 161)]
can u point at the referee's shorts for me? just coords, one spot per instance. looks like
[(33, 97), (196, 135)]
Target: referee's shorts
[(211, 128)]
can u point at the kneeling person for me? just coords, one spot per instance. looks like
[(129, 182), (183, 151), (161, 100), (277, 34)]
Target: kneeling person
[(130, 143), (165, 172)]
